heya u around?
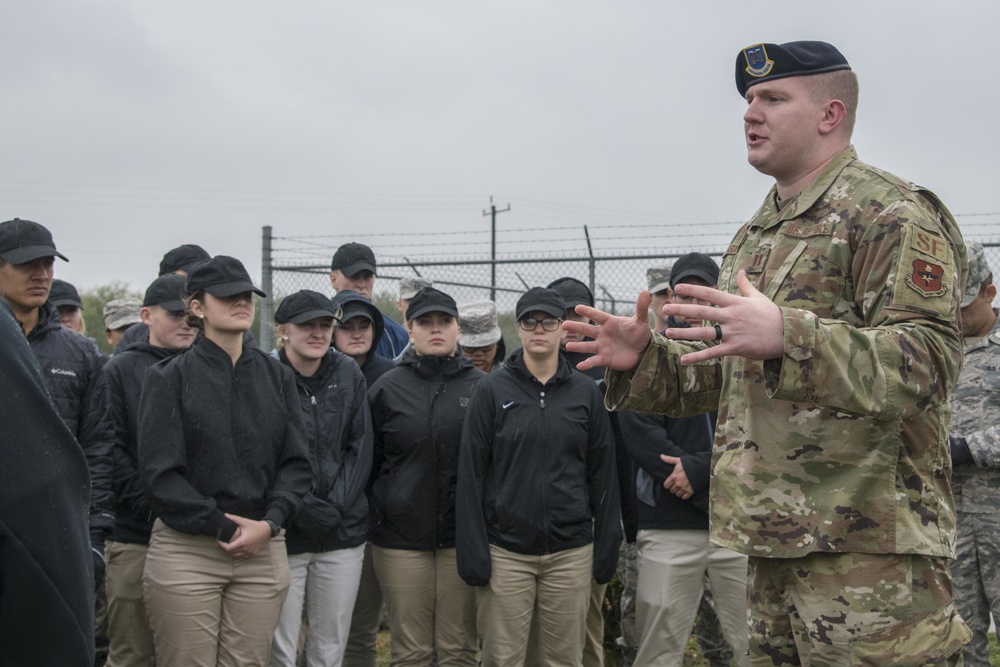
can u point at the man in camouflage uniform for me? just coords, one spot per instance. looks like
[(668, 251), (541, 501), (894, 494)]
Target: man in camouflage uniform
[(975, 453), (835, 347)]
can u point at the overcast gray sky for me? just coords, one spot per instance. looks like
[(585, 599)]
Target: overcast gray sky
[(131, 127)]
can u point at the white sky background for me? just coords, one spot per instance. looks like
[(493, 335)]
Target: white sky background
[(131, 127)]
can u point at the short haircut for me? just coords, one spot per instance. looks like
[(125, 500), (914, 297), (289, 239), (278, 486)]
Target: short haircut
[(839, 85)]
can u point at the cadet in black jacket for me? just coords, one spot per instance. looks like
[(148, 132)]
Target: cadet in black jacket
[(224, 459), (326, 539), (131, 640), (418, 409), (538, 504), (70, 363)]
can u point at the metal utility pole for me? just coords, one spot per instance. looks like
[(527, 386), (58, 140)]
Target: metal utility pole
[(266, 280), (493, 246)]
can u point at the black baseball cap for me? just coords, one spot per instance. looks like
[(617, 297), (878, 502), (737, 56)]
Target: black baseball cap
[(541, 298), (695, 264), (352, 258), (303, 306), (431, 300), (222, 277), (574, 292), (64, 294), (167, 292), (183, 258), (23, 241), (766, 62)]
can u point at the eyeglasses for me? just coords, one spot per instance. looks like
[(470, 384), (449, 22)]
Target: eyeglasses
[(530, 323), (681, 298), (485, 349)]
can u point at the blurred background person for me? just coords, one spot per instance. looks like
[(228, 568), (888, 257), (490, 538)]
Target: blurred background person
[(353, 268), (326, 537), (119, 316), (65, 297), (481, 339), (418, 409)]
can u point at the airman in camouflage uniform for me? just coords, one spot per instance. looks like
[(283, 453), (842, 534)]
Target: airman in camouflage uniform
[(975, 446), (835, 349)]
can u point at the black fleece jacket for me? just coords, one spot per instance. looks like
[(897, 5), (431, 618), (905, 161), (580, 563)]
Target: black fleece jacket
[(125, 372), (71, 366), (418, 409), (216, 438), (334, 514), (537, 471)]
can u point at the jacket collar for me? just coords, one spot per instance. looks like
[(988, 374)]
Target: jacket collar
[(515, 362), (805, 200)]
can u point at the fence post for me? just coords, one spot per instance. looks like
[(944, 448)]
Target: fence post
[(592, 263), (267, 303)]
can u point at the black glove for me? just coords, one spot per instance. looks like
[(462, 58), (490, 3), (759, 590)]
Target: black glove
[(960, 454), (97, 552)]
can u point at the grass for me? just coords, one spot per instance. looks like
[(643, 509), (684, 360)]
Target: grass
[(692, 658)]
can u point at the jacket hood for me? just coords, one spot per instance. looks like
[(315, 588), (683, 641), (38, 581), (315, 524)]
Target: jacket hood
[(350, 296), (48, 319)]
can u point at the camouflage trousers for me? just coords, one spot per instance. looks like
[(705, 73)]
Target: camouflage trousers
[(628, 574), (976, 575), (829, 609)]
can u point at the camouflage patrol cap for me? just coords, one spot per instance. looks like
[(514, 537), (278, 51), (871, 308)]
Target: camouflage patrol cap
[(410, 285), (766, 62), (658, 278), (120, 313), (480, 325), (979, 271)]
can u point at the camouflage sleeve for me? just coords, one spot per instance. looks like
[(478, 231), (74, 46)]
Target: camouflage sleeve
[(904, 354), (660, 384), (985, 446)]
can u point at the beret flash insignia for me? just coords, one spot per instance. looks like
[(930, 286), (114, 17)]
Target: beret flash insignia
[(758, 64)]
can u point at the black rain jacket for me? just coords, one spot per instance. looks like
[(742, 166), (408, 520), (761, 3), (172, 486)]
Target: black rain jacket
[(71, 366), (418, 409), (216, 438), (334, 514), (537, 471), (125, 372)]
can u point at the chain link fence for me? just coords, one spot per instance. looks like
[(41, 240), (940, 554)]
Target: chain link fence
[(614, 279)]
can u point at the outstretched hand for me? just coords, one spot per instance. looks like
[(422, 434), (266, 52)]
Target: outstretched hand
[(752, 325), (618, 342)]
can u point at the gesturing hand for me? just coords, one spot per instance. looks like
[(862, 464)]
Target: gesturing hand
[(751, 324), (618, 342)]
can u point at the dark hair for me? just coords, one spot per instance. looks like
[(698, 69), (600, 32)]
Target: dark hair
[(189, 317)]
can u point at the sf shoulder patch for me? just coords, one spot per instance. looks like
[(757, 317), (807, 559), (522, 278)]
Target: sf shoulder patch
[(926, 274), (758, 64)]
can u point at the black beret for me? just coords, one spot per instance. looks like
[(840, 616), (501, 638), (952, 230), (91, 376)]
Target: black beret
[(766, 62)]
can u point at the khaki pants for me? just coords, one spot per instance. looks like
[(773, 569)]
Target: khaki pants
[(556, 587), (593, 647), (431, 610), (366, 617), (128, 625), (207, 609)]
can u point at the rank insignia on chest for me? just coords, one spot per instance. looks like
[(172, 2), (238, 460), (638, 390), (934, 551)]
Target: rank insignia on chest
[(758, 64), (926, 278), (463, 401)]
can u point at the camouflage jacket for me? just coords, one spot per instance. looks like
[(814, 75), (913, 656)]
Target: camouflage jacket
[(975, 406), (840, 444)]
